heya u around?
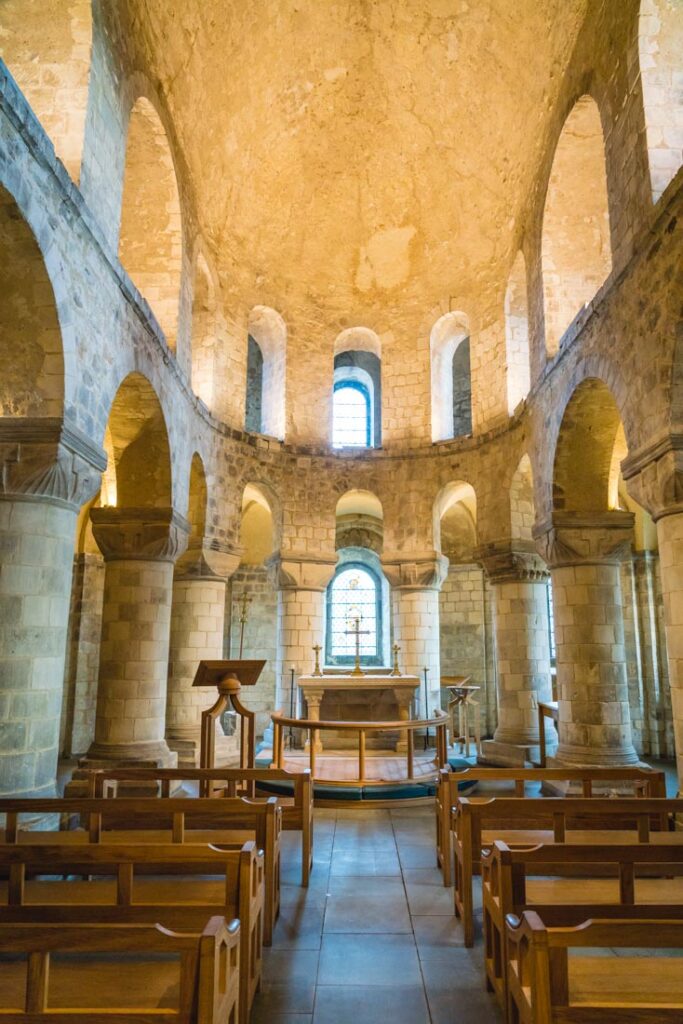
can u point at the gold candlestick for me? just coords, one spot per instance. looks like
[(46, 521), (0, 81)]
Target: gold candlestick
[(316, 670), (358, 633), (396, 670), (244, 616)]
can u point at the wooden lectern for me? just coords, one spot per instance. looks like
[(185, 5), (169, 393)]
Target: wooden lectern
[(229, 677)]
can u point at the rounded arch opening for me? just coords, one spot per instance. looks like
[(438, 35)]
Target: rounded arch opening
[(360, 521), (660, 52), (265, 411), (197, 502), (48, 47), (151, 237), (257, 529), (517, 334), (31, 350), (449, 347), (141, 473), (203, 333), (455, 521), (576, 253)]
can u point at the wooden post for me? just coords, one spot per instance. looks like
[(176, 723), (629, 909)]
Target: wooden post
[(361, 755), (410, 738)]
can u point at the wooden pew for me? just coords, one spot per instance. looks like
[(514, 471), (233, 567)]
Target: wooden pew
[(646, 782), (203, 967), (230, 821), (549, 982), (643, 881), (297, 810), (476, 824), (117, 889)]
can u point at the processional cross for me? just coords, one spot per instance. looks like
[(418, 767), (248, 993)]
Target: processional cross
[(358, 633)]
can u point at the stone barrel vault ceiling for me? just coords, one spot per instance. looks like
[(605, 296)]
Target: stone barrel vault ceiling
[(358, 161)]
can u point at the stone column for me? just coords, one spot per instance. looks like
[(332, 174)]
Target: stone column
[(301, 582), (584, 556), (415, 583), (83, 654), (47, 471), (139, 546), (519, 584), (197, 631)]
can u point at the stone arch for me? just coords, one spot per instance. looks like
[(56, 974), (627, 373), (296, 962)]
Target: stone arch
[(32, 370), (522, 513), (257, 529), (583, 462), (359, 521), (358, 339), (660, 49), (197, 502), (204, 333), (358, 365), (576, 250), (140, 446), (48, 48), (151, 235), (449, 335), (269, 332), (517, 334), (455, 521)]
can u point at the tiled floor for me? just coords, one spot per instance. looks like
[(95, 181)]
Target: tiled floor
[(374, 938)]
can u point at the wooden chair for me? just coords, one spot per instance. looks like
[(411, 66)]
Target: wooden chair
[(549, 982), (634, 881), (645, 782), (549, 820), (116, 888), (230, 821), (297, 810), (204, 967)]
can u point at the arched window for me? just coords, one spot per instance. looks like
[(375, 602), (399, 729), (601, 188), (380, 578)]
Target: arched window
[(660, 45), (254, 403), (517, 334), (449, 346), (352, 414), (462, 390), (354, 593)]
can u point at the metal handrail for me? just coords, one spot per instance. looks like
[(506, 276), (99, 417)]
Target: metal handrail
[(314, 726)]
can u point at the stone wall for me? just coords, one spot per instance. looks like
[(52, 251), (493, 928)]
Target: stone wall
[(260, 636)]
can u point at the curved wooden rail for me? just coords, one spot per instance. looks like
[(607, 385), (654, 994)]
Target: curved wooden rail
[(314, 726)]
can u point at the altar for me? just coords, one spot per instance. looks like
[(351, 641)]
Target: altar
[(359, 698)]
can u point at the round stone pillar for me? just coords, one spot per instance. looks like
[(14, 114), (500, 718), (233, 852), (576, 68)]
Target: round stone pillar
[(301, 582), (519, 584), (139, 548), (415, 584), (47, 474), (197, 633), (584, 556)]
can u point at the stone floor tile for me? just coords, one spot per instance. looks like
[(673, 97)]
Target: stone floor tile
[(367, 914), (429, 899), (368, 960), (436, 937), (347, 1004)]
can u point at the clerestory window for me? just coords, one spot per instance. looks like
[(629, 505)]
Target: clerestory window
[(352, 416)]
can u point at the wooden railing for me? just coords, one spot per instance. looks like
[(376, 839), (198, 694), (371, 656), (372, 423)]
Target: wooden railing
[(405, 729)]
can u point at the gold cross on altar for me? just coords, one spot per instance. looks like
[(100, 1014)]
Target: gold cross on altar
[(358, 633)]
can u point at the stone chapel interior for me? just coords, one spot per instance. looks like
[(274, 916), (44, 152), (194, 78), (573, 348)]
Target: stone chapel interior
[(337, 333)]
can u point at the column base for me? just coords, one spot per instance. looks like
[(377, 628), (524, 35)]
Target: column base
[(124, 755), (559, 788), (499, 754), (186, 744)]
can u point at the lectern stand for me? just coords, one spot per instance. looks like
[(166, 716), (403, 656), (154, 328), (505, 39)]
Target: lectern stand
[(229, 677)]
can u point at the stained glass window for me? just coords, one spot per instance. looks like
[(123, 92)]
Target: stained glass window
[(351, 415), (353, 594)]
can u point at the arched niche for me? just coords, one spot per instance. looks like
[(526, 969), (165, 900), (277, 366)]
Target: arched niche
[(576, 244), (31, 350), (660, 51), (449, 348), (266, 373), (455, 521), (204, 339), (257, 529), (47, 47), (357, 389), (139, 447), (151, 236), (197, 502), (517, 334), (359, 521)]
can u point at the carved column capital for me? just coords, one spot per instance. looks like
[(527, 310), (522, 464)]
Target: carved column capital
[(46, 459), (654, 476), (416, 570), (505, 563), (573, 539), (291, 571), (139, 534), (211, 560)]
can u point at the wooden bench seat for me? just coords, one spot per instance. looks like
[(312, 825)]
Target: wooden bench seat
[(543, 879), (73, 973), (226, 822), (114, 885), (297, 810), (646, 782), (550, 980), (596, 819)]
